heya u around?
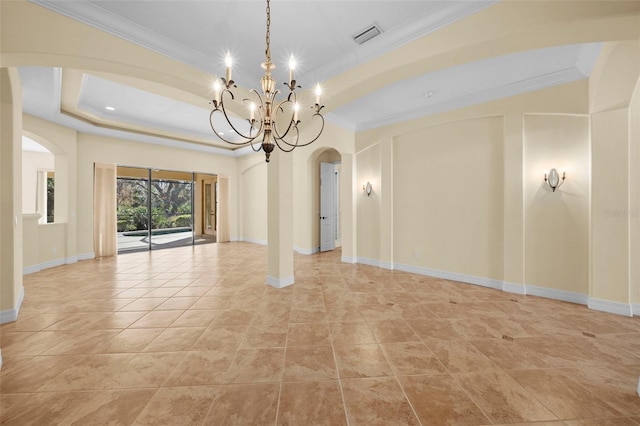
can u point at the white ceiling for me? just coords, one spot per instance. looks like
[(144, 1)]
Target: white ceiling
[(318, 33)]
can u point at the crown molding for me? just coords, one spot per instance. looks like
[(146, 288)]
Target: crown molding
[(117, 25)]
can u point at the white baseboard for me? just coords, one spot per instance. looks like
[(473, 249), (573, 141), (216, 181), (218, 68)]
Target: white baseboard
[(552, 293), (368, 261), (387, 265), (453, 276), (10, 315), (514, 288), (31, 269), (610, 306), (348, 259), (44, 265), (86, 256), (57, 262), (254, 241), (618, 308), (280, 282), (306, 251)]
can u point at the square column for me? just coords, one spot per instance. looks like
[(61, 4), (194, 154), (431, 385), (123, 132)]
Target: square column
[(280, 219)]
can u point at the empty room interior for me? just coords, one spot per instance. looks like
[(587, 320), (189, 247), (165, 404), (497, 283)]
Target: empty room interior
[(320, 212)]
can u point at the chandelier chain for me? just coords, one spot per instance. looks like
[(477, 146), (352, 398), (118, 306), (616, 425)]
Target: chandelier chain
[(268, 51)]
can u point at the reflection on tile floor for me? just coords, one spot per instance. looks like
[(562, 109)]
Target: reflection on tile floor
[(193, 335)]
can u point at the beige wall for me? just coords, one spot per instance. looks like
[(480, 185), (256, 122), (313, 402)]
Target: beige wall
[(557, 223), (448, 197), (368, 207), (610, 240), (615, 169), (498, 182), (634, 195), (44, 244), (51, 241), (31, 241), (32, 163), (253, 183)]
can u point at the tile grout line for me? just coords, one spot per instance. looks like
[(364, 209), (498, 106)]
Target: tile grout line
[(395, 376), (335, 360), (284, 359), (457, 381)]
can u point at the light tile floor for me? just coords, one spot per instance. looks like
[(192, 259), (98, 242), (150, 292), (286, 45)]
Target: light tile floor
[(192, 335)]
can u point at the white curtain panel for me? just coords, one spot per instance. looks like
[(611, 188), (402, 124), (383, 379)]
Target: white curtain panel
[(223, 210), (104, 210)]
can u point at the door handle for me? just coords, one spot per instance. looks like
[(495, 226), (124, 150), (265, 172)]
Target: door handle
[(323, 217)]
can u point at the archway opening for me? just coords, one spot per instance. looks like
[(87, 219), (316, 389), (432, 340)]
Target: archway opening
[(325, 167)]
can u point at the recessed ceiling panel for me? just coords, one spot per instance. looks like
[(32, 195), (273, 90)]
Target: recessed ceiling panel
[(120, 103), (469, 84)]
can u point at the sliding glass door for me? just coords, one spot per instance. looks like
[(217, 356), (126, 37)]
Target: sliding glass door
[(132, 188), (155, 209), (171, 209)]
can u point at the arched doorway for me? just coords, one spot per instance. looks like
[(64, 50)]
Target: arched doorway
[(325, 166)]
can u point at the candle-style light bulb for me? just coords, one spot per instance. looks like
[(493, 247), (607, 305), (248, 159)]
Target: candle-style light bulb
[(252, 109), (296, 107), (216, 90), (228, 61), (318, 93), (292, 67)]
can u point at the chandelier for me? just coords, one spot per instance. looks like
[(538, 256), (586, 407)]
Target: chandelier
[(263, 131)]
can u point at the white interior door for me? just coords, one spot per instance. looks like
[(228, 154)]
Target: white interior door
[(327, 197)]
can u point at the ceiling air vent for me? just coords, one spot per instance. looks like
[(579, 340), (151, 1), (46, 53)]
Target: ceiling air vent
[(367, 33)]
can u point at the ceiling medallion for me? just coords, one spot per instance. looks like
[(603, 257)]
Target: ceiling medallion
[(266, 108)]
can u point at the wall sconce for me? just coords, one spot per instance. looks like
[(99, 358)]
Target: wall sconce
[(553, 179), (367, 188)]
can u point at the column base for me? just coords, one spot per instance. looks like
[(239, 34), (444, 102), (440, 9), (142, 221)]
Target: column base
[(280, 282)]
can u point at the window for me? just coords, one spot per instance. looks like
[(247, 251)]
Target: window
[(45, 196)]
